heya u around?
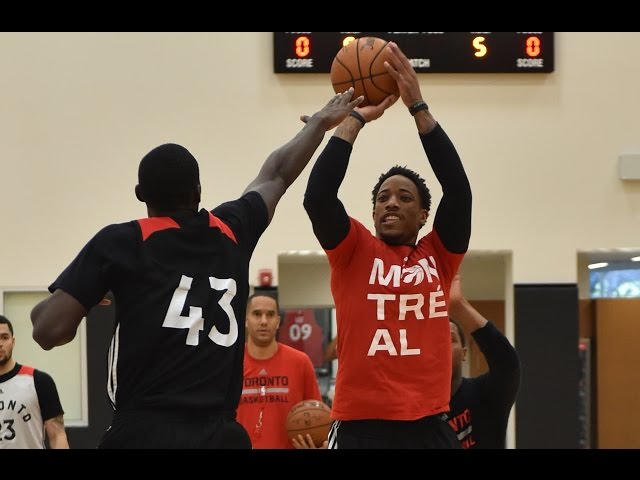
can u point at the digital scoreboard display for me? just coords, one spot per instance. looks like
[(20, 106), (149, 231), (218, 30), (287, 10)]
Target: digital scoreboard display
[(428, 52)]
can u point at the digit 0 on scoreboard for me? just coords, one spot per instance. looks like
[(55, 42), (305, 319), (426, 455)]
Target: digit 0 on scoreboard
[(303, 47), (428, 52)]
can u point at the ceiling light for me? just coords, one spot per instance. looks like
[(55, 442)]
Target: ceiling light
[(593, 266)]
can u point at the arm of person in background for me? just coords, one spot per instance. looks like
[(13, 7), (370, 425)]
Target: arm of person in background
[(327, 213), (453, 216), (331, 352), (50, 409), (503, 377), (461, 310), (56, 434), (286, 163)]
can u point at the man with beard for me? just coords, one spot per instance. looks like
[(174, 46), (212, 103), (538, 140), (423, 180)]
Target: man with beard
[(31, 406)]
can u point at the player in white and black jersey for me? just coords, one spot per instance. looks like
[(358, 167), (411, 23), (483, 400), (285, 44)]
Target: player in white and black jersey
[(179, 279), (30, 410)]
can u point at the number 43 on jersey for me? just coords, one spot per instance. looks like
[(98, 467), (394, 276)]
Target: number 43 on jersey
[(194, 322)]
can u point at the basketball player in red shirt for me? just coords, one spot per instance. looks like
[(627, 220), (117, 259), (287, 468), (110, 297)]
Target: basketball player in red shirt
[(391, 289), (276, 377)]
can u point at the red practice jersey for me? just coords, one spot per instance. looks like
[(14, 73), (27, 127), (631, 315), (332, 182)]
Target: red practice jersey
[(270, 389), (394, 342)]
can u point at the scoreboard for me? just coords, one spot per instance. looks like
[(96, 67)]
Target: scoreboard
[(428, 52)]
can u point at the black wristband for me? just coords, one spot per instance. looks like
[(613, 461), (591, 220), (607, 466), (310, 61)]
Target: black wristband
[(358, 117), (418, 106)]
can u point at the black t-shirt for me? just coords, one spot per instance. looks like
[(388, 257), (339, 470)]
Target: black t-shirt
[(480, 407), (180, 286)]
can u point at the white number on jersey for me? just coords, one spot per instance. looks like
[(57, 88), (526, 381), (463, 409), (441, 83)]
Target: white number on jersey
[(297, 332), (194, 322)]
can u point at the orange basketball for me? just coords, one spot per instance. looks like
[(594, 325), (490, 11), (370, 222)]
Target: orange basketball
[(360, 64), (312, 417)]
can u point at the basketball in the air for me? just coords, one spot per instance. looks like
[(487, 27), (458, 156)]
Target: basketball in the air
[(312, 417), (360, 64)]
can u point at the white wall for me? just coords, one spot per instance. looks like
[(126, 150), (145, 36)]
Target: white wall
[(79, 110)]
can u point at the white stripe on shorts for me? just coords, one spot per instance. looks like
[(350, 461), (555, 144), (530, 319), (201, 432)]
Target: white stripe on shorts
[(333, 435)]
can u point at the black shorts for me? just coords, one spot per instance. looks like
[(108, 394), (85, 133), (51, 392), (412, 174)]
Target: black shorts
[(428, 432), (166, 429)]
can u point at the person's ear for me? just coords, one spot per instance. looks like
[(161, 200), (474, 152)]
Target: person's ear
[(464, 354), (424, 216), (139, 194)]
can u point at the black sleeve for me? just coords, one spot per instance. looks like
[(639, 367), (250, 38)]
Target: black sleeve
[(249, 214), (503, 379), (327, 213), (453, 217), (86, 278), (50, 405)]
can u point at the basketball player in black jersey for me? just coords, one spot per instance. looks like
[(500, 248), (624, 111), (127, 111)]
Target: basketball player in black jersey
[(179, 279), (480, 406)]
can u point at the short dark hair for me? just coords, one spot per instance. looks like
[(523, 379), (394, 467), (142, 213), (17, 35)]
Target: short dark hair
[(6, 321), (463, 340), (168, 175), (264, 294), (423, 190)]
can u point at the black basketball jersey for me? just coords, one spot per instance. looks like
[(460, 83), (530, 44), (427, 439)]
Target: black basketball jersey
[(180, 286), (480, 407)]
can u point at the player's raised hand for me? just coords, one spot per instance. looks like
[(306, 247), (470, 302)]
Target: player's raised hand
[(400, 68), (373, 112), (336, 110)]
